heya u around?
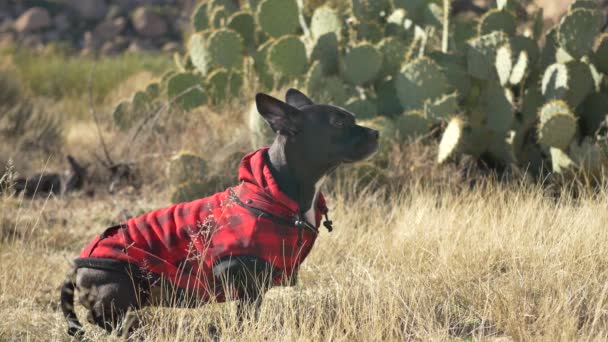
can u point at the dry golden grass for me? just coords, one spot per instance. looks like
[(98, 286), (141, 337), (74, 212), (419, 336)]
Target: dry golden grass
[(498, 264)]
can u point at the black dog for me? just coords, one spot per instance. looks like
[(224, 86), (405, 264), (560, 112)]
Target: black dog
[(277, 204)]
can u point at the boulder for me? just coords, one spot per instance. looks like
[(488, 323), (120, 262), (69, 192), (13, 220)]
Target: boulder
[(89, 9), (147, 23), (108, 29), (34, 19), (61, 22)]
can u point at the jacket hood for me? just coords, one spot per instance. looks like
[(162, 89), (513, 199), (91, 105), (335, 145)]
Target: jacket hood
[(255, 174)]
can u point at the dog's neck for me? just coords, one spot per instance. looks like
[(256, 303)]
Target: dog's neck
[(297, 180)]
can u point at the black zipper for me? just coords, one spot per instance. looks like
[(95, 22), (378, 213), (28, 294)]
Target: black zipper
[(296, 223)]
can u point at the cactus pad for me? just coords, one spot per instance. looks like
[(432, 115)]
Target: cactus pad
[(326, 52), (481, 54), (393, 52), (518, 73), (557, 125), (412, 124), (361, 64), (452, 140), (497, 104), (122, 115), (419, 81), (362, 108), (600, 53), (261, 66), (497, 20), (186, 91), (200, 19), (586, 4), (217, 85), (287, 57), (386, 98), (325, 20), (504, 64), (442, 108), (577, 31), (186, 167), (329, 89), (218, 16), (190, 191), (595, 109), (278, 17), (226, 49), (571, 82), (197, 46), (455, 70), (560, 161), (244, 24), (369, 31)]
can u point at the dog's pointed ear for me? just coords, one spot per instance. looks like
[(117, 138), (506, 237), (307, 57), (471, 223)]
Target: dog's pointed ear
[(282, 118), (295, 98)]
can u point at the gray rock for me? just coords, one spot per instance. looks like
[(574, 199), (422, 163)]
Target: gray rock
[(109, 49), (170, 47), (138, 45), (108, 29), (62, 22), (51, 36), (90, 9), (34, 19), (148, 24)]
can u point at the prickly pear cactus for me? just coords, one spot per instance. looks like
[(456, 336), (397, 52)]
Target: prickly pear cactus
[(481, 54), (278, 17), (557, 125), (577, 31), (326, 52), (325, 20), (244, 24), (362, 108), (200, 18), (571, 82), (185, 90), (226, 49), (287, 57), (419, 81), (412, 124), (393, 52), (185, 167), (497, 20), (452, 140), (190, 191), (361, 64), (442, 108)]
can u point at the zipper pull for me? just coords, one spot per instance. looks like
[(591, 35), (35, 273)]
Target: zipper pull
[(328, 223)]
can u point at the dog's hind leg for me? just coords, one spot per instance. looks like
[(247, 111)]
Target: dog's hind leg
[(109, 296)]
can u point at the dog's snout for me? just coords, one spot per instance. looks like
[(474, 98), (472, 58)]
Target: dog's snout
[(374, 133)]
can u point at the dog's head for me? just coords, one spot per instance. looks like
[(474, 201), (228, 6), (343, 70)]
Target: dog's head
[(317, 133)]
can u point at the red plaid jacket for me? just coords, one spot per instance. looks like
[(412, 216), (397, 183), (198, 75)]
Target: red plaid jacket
[(181, 243)]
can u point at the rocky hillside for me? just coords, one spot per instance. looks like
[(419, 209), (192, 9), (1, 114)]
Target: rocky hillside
[(96, 26)]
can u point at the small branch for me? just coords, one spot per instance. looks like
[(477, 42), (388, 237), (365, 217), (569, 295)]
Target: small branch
[(95, 118), (446, 26)]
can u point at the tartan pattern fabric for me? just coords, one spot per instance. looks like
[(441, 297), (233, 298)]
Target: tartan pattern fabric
[(181, 243)]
